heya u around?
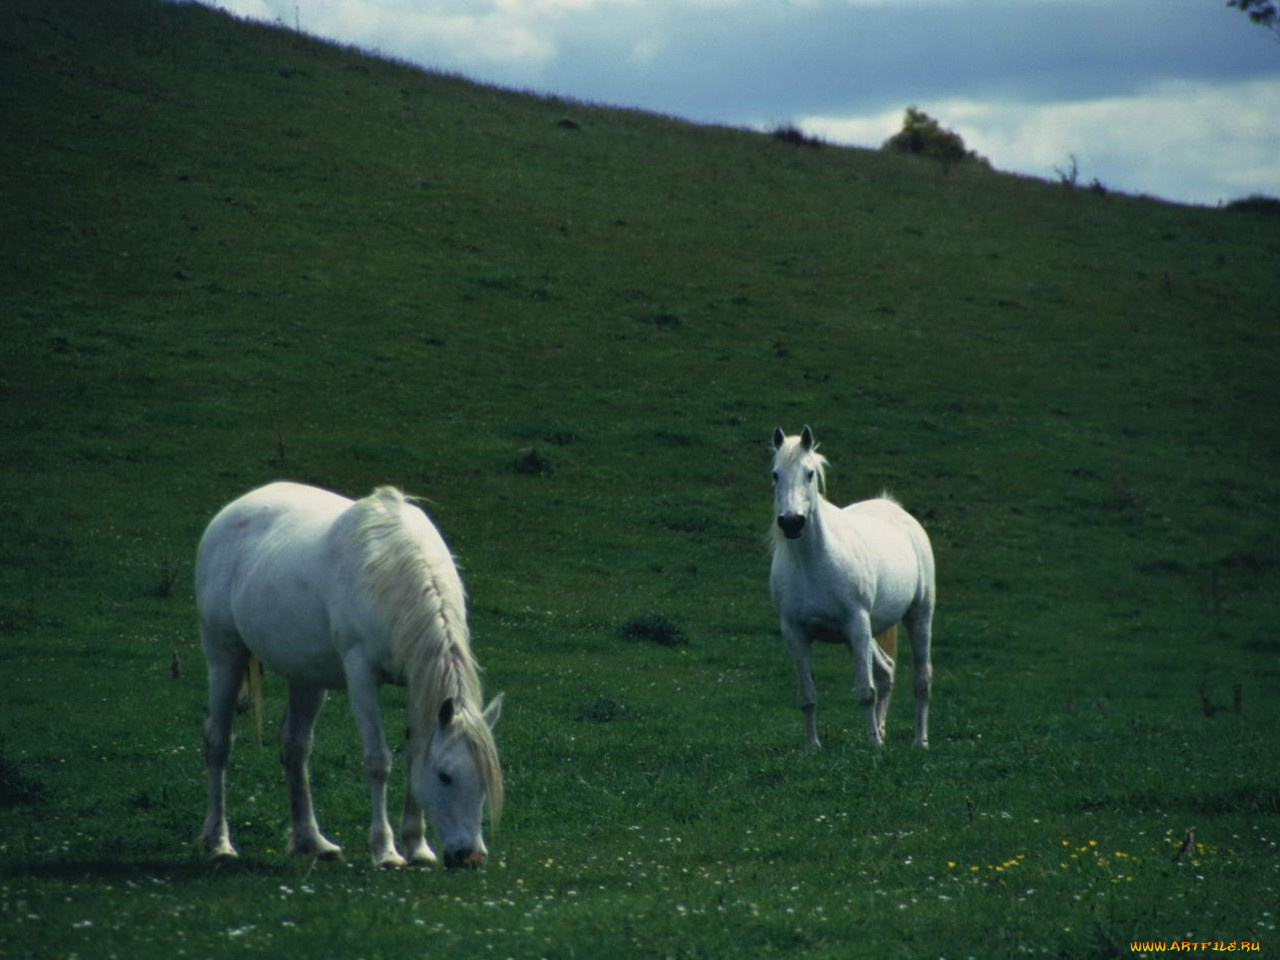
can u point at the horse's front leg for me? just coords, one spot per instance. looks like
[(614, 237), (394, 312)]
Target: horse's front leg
[(362, 687), (864, 663), (296, 736), (413, 826), (800, 649)]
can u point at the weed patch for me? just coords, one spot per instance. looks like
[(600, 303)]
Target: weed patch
[(532, 463), (654, 628), (15, 787), (605, 710)]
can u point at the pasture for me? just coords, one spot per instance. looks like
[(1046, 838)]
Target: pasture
[(231, 254)]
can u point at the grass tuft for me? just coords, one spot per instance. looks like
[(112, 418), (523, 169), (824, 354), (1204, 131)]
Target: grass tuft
[(17, 788), (654, 628), (605, 710), (532, 463)]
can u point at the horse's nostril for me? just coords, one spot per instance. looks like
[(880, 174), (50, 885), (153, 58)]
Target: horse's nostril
[(791, 524)]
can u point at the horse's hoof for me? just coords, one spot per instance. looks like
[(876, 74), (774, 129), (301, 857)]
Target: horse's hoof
[(220, 850), (389, 861), (423, 858), (325, 851)]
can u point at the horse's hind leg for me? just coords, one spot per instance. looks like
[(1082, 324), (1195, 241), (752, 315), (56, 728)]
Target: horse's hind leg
[(883, 651), (920, 627), (226, 672), (867, 658), (305, 838)]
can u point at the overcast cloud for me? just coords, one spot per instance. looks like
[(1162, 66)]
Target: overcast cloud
[(1174, 98)]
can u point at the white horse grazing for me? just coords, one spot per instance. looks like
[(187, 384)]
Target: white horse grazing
[(333, 593), (846, 576)]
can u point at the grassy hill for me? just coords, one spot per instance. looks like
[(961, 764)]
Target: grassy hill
[(231, 253)]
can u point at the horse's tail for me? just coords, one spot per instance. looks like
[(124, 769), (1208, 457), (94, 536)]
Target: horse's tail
[(252, 690), (888, 642)]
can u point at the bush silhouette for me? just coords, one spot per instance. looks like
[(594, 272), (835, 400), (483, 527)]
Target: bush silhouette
[(924, 136), (792, 134)]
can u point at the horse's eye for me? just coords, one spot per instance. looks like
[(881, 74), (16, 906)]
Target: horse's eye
[(808, 476), (445, 779), (775, 476)]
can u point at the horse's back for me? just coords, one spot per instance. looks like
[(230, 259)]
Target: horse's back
[(897, 538), (261, 571), (283, 500), (887, 511), (280, 517)]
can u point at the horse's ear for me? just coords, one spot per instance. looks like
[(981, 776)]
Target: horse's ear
[(446, 713), (806, 438), (494, 710), (778, 438)]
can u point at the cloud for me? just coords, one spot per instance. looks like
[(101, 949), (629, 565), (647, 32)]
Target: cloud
[(1186, 140), (500, 40), (263, 10), (506, 36), (732, 59), (1127, 88)]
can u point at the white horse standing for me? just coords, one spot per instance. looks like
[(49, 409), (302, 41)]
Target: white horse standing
[(333, 593), (846, 576)]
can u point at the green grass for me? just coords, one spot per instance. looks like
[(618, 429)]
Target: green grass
[(230, 254)]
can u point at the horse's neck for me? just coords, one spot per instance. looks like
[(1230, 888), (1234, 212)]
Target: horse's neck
[(822, 521), (814, 546)]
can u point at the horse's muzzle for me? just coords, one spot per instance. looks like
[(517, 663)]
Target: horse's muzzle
[(791, 524), (463, 859)]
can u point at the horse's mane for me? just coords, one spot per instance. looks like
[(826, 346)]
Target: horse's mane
[(426, 604)]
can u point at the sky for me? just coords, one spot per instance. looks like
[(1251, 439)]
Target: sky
[(1176, 99)]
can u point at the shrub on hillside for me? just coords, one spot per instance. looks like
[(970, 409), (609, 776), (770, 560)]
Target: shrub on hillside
[(1258, 203), (924, 136), (792, 134)]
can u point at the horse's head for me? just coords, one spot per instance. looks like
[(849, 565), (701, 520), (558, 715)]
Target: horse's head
[(459, 773), (798, 471)]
